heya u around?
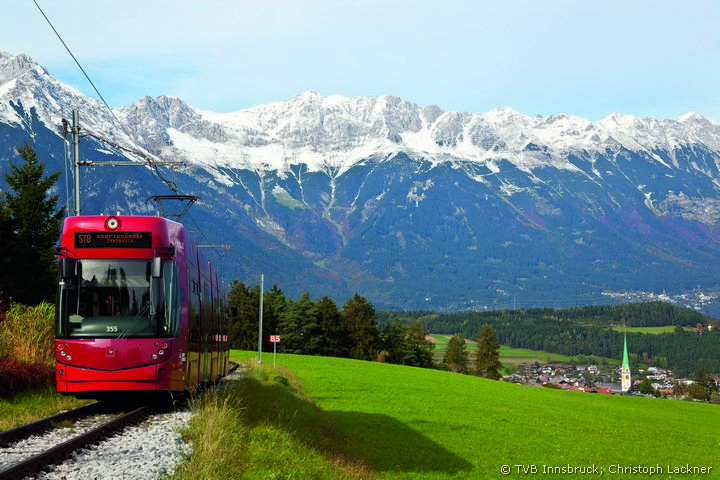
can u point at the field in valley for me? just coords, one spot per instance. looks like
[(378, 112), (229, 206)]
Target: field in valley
[(649, 330), (508, 356)]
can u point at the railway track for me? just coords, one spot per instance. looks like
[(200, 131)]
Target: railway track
[(46, 444), (47, 456)]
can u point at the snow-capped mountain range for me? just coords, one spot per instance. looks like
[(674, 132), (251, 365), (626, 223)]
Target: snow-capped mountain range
[(335, 132), (414, 207)]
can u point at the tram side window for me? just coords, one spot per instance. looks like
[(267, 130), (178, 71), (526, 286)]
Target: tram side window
[(221, 325), (193, 319), (171, 297), (217, 327), (207, 314)]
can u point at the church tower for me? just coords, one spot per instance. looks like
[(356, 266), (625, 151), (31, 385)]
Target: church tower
[(625, 370)]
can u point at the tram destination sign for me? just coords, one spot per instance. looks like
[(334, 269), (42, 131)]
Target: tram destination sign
[(113, 239)]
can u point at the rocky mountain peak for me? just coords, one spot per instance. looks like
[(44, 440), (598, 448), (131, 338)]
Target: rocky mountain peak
[(13, 67)]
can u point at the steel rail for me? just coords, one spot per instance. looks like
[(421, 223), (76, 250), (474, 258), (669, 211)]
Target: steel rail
[(32, 465), (9, 437)]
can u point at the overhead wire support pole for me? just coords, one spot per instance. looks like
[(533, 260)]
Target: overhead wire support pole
[(65, 130), (77, 163), (75, 132), (262, 288)]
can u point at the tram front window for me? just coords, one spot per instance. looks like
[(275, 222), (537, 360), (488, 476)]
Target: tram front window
[(117, 299)]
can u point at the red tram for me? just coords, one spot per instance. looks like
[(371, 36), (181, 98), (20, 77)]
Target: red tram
[(139, 309)]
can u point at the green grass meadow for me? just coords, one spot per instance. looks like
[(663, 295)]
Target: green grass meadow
[(32, 405), (317, 417)]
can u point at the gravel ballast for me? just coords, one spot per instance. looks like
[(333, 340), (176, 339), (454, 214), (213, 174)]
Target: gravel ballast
[(147, 451)]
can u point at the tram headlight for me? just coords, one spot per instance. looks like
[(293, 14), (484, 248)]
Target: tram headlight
[(62, 353), (161, 352), (112, 223), (68, 358), (154, 356)]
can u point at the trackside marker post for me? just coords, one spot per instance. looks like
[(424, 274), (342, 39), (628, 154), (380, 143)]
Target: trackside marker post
[(274, 339)]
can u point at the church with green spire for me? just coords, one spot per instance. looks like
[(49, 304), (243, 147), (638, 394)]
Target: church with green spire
[(625, 381)]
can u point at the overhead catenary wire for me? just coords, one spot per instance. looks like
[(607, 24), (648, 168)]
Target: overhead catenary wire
[(151, 162), (139, 153), (217, 251), (171, 185)]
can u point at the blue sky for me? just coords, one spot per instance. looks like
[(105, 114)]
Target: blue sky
[(582, 57)]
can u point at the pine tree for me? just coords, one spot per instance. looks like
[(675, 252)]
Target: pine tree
[(335, 341), (419, 351), (299, 326), (456, 355), (32, 221), (359, 319), (487, 358), (244, 318), (392, 343), (6, 238)]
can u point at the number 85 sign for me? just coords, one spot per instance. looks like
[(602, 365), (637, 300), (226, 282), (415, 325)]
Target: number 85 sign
[(275, 339)]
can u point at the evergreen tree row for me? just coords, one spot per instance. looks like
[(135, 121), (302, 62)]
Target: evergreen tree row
[(319, 327)]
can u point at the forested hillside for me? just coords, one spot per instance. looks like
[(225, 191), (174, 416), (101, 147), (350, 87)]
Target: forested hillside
[(357, 330), (590, 331)]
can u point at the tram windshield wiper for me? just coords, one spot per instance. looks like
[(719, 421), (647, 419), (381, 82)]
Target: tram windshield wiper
[(140, 314)]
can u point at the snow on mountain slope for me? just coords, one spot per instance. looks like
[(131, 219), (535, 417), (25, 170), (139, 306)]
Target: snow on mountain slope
[(340, 131), (333, 133)]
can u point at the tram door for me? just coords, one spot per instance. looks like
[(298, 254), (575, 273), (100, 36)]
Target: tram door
[(194, 361), (205, 351)]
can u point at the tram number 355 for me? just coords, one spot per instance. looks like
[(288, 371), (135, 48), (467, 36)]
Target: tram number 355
[(274, 338)]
